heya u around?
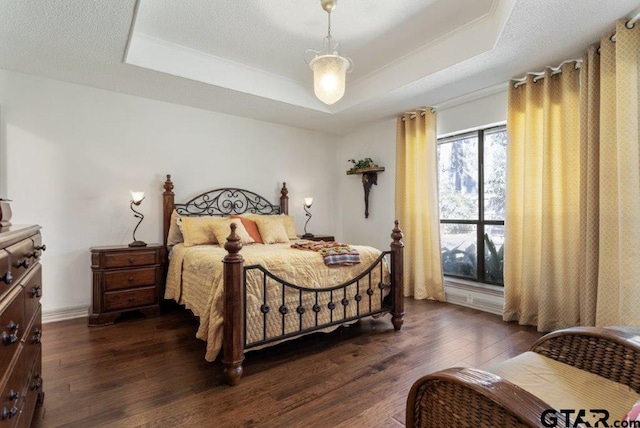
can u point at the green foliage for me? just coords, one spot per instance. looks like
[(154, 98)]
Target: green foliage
[(362, 163), (493, 261)]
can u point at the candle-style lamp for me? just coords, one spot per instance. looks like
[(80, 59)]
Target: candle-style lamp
[(307, 204), (136, 199)]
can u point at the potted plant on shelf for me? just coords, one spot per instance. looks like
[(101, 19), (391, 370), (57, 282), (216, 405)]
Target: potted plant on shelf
[(361, 164)]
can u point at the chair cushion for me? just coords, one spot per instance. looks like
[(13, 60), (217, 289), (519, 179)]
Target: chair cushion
[(565, 387)]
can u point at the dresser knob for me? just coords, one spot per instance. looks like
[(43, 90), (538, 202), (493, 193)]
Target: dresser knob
[(12, 326), (8, 413), (33, 255), (13, 395), (36, 291), (36, 386), (7, 278), (9, 339), (132, 259), (131, 299), (36, 338), (41, 247), (25, 263), (131, 279)]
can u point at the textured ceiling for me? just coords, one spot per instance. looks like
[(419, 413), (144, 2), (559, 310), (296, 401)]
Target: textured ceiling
[(407, 54)]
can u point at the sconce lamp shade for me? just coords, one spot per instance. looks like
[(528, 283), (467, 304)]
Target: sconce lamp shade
[(329, 75), (308, 202), (136, 197)]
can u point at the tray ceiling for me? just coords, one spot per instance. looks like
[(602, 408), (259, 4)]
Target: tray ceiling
[(246, 58)]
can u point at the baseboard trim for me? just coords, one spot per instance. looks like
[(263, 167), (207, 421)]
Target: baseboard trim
[(62, 314), (486, 299)]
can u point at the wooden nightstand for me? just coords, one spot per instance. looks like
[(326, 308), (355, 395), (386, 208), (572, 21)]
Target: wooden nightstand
[(325, 238), (125, 279)]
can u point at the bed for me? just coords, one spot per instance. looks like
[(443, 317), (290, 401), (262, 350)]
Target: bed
[(251, 296)]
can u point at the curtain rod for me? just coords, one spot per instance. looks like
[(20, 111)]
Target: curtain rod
[(413, 115), (540, 74), (555, 70)]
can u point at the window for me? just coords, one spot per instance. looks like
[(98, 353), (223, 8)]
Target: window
[(471, 181)]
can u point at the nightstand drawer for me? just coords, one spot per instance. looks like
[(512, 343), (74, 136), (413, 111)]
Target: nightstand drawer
[(130, 258), (130, 278), (130, 299)]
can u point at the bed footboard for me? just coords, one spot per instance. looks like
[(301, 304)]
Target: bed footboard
[(357, 298)]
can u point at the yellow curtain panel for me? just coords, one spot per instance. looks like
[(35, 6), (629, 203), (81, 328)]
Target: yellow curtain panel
[(572, 244), (417, 206)]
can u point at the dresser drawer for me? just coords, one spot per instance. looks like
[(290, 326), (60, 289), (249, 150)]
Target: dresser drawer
[(21, 258), (129, 278), (12, 324), (130, 299), (34, 387), (129, 258), (6, 276), (32, 285), (12, 395), (32, 340)]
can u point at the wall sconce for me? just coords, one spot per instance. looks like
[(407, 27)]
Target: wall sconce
[(136, 199), (307, 204)]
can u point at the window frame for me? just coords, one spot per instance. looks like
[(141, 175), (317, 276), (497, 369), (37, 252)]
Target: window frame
[(480, 223)]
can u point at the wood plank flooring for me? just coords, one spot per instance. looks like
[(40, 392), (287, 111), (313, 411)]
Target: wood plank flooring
[(152, 372)]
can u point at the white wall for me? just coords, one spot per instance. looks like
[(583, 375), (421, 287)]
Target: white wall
[(73, 154), (378, 141)]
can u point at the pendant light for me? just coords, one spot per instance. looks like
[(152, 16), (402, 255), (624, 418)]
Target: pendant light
[(329, 67)]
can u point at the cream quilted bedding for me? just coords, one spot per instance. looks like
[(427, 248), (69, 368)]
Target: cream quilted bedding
[(195, 280)]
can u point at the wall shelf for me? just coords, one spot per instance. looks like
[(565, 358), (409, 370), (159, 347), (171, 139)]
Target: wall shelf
[(369, 178)]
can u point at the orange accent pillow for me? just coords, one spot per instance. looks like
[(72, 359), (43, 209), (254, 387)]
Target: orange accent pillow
[(252, 228)]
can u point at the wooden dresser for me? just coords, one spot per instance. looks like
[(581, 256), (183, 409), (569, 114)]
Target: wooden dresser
[(20, 324), (125, 279)]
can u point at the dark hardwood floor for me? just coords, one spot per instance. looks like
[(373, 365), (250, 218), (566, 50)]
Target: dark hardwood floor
[(151, 372)]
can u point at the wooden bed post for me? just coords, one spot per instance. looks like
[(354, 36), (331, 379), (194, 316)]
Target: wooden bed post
[(284, 199), (167, 208), (397, 250), (233, 330)]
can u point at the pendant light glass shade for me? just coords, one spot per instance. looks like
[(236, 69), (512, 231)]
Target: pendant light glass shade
[(329, 75), (329, 67)]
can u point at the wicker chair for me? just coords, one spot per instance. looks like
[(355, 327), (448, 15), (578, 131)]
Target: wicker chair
[(464, 397)]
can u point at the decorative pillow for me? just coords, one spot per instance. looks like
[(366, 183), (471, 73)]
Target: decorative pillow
[(634, 413), (222, 230), (197, 230), (271, 228), (289, 226), (251, 228), (175, 233)]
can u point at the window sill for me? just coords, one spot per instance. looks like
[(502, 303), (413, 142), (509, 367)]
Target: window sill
[(484, 297)]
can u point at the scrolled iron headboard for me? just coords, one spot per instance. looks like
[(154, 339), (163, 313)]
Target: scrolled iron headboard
[(220, 202), (227, 201)]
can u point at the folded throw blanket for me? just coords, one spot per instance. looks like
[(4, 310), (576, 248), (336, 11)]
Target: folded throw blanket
[(333, 253)]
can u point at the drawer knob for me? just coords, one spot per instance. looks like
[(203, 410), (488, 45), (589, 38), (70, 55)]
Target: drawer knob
[(33, 254), (131, 279), (131, 299), (132, 259), (41, 247), (13, 395), (12, 326), (7, 278), (36, 291), (8, 413), (37, 338), (9, 339), (36, 386), (25, 263)]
